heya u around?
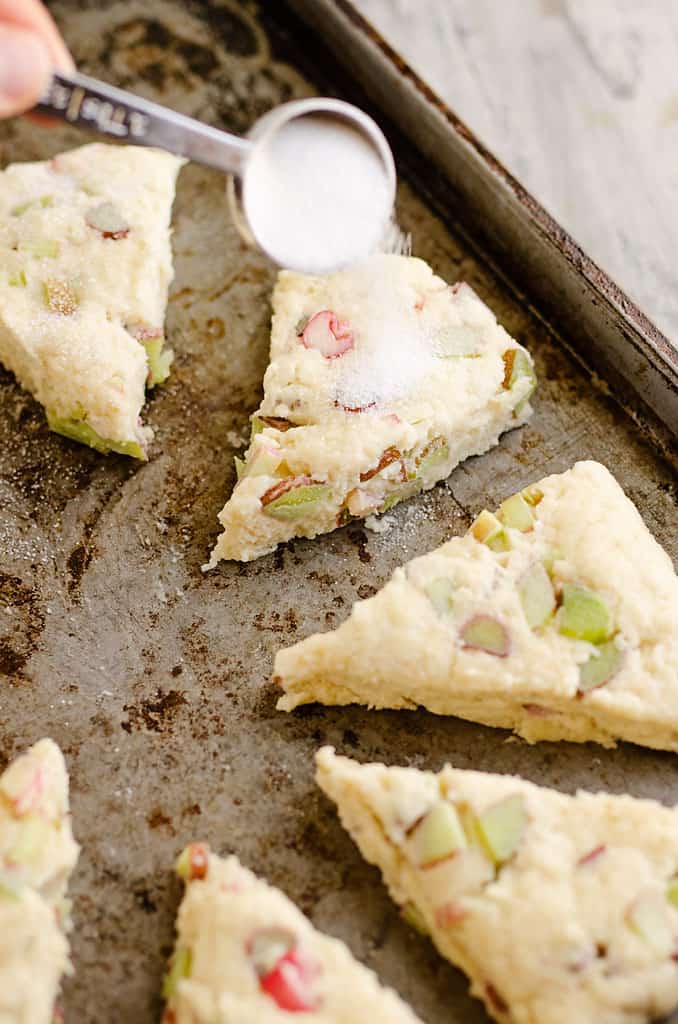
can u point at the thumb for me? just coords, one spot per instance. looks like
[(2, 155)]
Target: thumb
[(25, 69)]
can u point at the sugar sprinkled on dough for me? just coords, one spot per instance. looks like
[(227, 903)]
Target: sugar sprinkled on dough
[(400, 354)]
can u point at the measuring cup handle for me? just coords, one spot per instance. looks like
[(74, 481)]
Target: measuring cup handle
[(104, 109)]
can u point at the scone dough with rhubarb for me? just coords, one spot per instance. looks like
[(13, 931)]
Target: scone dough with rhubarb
[(381, 380), (86, 265), (559, 909), (37, 855), (246, 954), (557, 617)]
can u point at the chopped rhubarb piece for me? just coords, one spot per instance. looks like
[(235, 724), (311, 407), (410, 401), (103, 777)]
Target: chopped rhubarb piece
[(516, 513), (400, 493), (193, 862), (532, 494), (495, 1001), (672, 891), (592, 855), (239, 467), (362, 500), (538, 710), (487, 529), (40, 247), (584, 615), (433, 456), (501, 827), (108, 220), (450, 914), (602, 665), (327, 334), (537, 595), (485, 633), (294, 497), (23, 785), (285, 971), (277, 422), (440, 593), (143, 332), (414, 917), (517, 364), (437, 836), (43, 202), (18, 280), (390, 456), (60, 298), (180, 968), (648, 918)]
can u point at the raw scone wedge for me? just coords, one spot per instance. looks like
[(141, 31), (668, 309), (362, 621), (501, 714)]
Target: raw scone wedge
[(37, 855), (381, 380), (557, 618), (246, 954), (86, 265), (558, 908)]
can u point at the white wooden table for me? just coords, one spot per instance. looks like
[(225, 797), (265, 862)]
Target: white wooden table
[(579, 98)]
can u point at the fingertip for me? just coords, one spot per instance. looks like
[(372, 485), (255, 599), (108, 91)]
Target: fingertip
[(25, 70)]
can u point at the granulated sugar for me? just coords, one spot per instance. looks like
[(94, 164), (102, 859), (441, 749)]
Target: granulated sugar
[(397, 354), (316, 195)]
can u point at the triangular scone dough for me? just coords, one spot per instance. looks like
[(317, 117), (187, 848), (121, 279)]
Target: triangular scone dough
[(246, 954), (382, 379), (37, 855), (558, 908), (86, 264), (561, 626), (33, 959)]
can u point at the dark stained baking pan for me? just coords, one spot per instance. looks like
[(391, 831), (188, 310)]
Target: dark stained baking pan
[(153, 677)]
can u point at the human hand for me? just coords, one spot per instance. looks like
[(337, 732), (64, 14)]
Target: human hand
[(30, 49)]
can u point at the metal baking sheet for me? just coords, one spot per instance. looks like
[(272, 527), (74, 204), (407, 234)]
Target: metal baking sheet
[(153, 677)]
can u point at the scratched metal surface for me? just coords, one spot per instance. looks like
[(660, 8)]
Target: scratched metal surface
[(154, 677)]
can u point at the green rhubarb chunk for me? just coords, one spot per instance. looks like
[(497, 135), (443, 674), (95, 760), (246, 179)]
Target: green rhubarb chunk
[(40, 247), (159, 360), (485, 633), (518, 365), (414, 917), (537, 596), (18, 280), (256, 427), (77, 429), (647, 917), (297, 502), (501, 827), (516, 513), (584, 615), (487, 529), (433, 456), (440, 593), (399, 494), (239, 467), (43, 202), (181, 968), (532, 494), (438, 836), (672, 891), (604, 662), (551, 555)]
